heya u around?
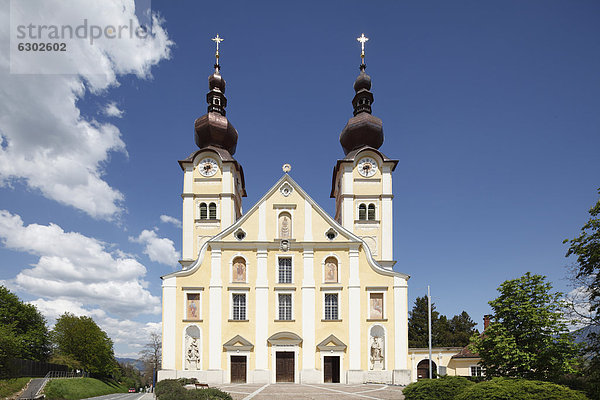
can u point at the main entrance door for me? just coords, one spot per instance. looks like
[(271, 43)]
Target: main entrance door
[(284, 366), (331, 369), (238, 369)]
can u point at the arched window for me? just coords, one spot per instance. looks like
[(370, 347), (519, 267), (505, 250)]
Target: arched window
[(362, 211), (371, 215), (285, 225), (238, 272), (203, 211), (331, 270), (212, 211)]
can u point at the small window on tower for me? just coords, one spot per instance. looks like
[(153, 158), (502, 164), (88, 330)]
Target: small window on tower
[(362, 212), (371, 212), (203, 211), (216, 101), (212, 211)]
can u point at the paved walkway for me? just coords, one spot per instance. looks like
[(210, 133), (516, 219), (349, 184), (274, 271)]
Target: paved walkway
[(333, 391)]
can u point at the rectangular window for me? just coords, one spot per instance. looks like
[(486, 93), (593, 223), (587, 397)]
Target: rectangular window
[(331, 306), (239, 306), (192, 307), (285, 307), (376, 306), (476, 370), (285, 270)]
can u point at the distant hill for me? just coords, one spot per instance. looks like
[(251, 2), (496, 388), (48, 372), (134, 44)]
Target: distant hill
[(137, 364)]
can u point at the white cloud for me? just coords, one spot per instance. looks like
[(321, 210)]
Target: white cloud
[(112, 110), (45, 141), (77, 268), (170, 220), (160, 250), (128, 336)]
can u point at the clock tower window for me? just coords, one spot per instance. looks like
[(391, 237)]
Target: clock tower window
[(212, 211), (371, 213), (203, 211), (362, 212)]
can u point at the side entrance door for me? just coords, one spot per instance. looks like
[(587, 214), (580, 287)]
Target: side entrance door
[(284, 366), (331, 369), (238, 369)]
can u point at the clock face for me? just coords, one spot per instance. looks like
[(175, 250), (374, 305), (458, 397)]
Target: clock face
[(208, 167), (367, 167)]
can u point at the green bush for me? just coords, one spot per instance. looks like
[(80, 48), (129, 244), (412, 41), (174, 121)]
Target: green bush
[(445, 388), (518, 389), (172, 389)]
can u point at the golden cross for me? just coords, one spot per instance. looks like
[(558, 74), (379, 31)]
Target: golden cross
[(362, 39), (218, 40)]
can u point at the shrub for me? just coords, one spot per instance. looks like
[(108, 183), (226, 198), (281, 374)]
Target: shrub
[(518, 389), (445, 388), (172, 389)]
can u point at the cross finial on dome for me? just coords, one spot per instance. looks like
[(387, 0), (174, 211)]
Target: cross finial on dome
[(217, 40), (362, 39)]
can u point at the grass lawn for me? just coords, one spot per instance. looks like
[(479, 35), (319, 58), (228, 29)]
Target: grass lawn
[(12, 386), (80, 388)]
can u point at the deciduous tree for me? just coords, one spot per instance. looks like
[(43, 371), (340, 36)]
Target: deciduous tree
[(83, 340), (527, 336), (25, 325)]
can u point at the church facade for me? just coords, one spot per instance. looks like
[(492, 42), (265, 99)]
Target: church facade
[(285, 292)]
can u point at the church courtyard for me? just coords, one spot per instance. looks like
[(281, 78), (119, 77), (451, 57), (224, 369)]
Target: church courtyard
[(318, 391)]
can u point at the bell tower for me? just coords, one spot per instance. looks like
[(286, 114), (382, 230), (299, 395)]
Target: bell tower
[(213, 183), (362, 180)]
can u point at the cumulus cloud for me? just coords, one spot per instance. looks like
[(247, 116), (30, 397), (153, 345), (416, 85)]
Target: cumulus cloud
[(77, 268), (112, 110), (119, 330), (160, 250), (170, 220), (45, 141)]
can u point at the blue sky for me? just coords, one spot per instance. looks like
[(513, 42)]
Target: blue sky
[(491, 109)]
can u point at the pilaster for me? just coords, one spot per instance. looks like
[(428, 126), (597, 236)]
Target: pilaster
[(215, 311)]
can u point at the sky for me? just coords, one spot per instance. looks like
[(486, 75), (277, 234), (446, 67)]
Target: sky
[(491, 108)]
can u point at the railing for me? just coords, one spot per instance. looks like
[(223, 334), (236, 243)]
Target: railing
[(65, 374)]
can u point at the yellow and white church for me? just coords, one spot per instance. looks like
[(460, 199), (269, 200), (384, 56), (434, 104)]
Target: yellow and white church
[(285, 292)]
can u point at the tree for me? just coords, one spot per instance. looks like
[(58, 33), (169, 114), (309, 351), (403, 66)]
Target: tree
[(455, 332), (151, 355), (81, 339), (24, 328), (586, 276), (527, 336), (418, 331)]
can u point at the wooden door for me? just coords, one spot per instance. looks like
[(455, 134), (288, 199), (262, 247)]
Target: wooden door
[(331, 369), (284, 366), (238, 369)]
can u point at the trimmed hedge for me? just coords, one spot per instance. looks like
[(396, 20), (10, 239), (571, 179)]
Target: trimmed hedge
[(172, 389), (519, 389), (445, 388)]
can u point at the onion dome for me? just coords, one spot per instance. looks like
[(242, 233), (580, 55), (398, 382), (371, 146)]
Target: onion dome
[(213, 128), (364, 129)]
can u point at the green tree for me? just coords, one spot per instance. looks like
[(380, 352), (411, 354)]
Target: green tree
[(81, 339), (455, 332), (417, 323), (24, 328), (527, 336), (586, 247)]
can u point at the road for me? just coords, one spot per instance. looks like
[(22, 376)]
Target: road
[(125, 396)]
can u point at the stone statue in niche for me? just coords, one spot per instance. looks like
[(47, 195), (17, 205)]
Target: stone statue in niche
[(192, 348), (285, 223), (377, 353)]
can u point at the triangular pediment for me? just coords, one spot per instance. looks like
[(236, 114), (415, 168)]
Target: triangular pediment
[(238, 343), (331, 343)]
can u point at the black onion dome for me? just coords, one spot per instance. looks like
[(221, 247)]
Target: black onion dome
[(216, 81), (213, 128), (363, 81), (363, 129)]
